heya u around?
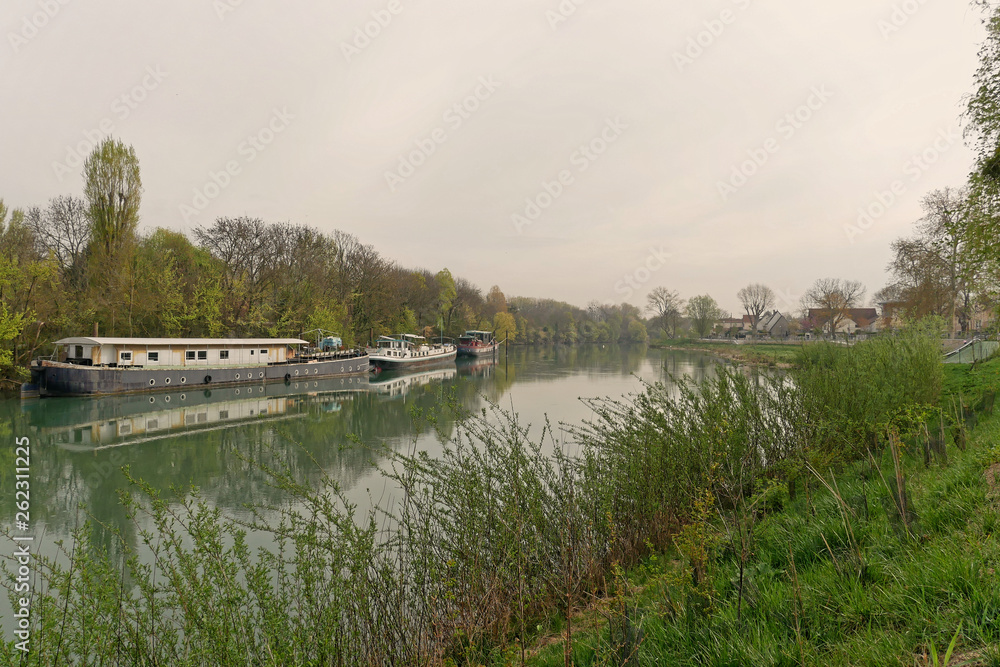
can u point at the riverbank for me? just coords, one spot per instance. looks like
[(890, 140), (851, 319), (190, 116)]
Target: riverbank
[(838, 575), (498, 540), (776, 355)]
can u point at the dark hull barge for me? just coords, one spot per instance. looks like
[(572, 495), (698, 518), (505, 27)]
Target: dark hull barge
[(102, 366)]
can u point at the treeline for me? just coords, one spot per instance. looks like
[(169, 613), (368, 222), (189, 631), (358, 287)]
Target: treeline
[(80, 262)]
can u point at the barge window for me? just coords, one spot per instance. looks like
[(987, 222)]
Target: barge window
[(126, 356), (251, 353), (189, 355), (79, 351), (153, 356), (223, 354), (263, 351), (202, 355)]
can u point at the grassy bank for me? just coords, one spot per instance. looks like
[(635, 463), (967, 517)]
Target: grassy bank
[(845, 574), (764, 354), (507, 536)]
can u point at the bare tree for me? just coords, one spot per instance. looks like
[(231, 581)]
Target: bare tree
[(667, 307), (249, 248), (756, 298), (63, 229), (832, 298)]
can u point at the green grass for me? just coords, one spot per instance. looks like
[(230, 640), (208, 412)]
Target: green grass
[(972, 379), (906, 598), (754, 353), (504, 536)]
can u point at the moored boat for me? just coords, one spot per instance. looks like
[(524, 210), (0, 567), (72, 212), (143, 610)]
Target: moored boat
[(408, 351), (477, 344), (92, 366)]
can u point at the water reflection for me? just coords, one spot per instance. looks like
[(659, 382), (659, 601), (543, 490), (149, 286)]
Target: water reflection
[(335, 427)]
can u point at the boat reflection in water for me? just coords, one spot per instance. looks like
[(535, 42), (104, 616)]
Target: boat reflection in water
[(480, 367), (398, 383), (93, 423)]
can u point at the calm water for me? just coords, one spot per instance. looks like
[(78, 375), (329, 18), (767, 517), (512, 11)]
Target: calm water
[(203, 439)]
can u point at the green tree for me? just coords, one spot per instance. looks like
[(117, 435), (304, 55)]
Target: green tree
[(114, 192), (637, 332), (446, 297), (982, 116), (703, 312), (505, 325)]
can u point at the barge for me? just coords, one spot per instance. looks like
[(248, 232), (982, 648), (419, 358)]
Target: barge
[(408, 351), (477, 344), (100, 366)]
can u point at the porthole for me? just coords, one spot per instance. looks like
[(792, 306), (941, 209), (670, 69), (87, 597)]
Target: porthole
[(296, 372), (183, 397), (260, 389), (151, 382), (237, 376), (261, 374), (237, 392), (183, 380), (166, 381), (166, 399), (152, 400)]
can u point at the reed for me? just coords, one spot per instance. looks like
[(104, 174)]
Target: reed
[(510, 534)]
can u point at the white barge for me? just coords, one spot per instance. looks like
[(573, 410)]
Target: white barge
[(408, 351), (95, 366)]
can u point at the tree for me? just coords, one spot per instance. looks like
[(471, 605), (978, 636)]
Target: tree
[(504, 325), (446, 296), (637, 332), (938, 271), (247, 248), (830, 300), (982, 125), (703, 312), (756, 298), (114, 192), (667, 306), (496, 302), (63, 228)]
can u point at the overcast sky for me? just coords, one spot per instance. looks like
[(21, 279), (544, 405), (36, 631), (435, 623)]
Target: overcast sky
[(553, 148)]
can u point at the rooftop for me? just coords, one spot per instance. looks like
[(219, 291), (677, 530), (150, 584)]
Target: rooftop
[(181, 342)]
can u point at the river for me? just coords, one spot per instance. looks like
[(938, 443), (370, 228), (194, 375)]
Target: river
[(335, 427)]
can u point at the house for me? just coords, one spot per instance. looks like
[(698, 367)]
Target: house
[(773, 324), (851, 320), (731, 326)]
